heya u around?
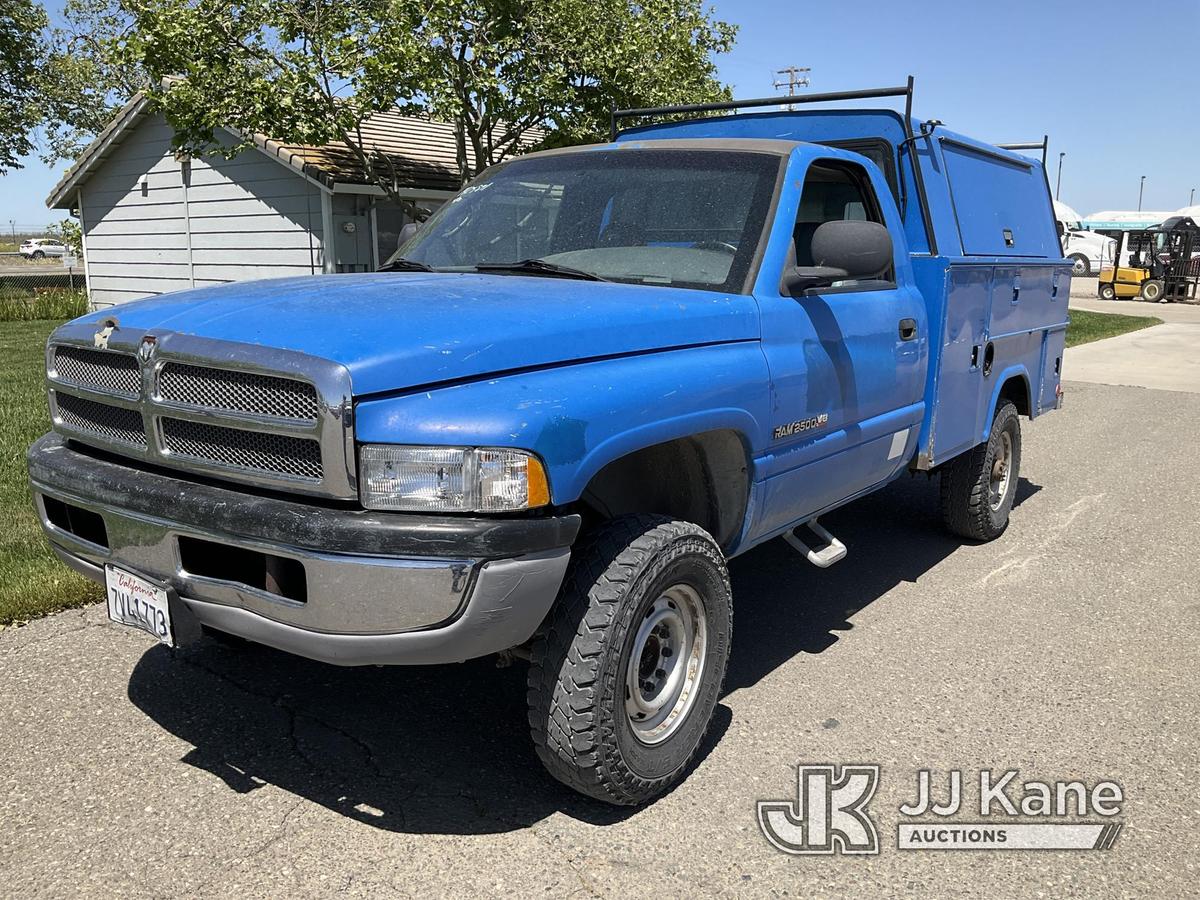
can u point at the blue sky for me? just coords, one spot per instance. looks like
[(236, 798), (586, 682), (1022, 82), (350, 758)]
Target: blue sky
[(997, 71)]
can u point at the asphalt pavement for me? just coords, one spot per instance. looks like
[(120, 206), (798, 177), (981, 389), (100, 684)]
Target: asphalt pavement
[(1065, 649)]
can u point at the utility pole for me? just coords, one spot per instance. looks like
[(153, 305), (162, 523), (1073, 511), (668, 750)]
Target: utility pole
[(12, 224), (1058, 185), (1192, 197), (797, 77), (1141, 184)]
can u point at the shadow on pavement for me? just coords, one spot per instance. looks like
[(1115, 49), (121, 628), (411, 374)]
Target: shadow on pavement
[(446, 749)]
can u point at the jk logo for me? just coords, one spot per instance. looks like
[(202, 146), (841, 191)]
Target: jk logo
[(828, 815)]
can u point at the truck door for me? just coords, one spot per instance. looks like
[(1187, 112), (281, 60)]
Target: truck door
[(847, 363)]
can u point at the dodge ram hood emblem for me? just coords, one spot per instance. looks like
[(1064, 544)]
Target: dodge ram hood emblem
[(103, 333), (146, 348)]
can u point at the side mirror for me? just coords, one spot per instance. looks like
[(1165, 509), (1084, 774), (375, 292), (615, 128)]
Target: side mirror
[(1060, 227), (841, 251)]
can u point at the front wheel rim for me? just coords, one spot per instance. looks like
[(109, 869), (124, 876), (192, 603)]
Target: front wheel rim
[(1001, 471), (1079, 267), (666, 664)]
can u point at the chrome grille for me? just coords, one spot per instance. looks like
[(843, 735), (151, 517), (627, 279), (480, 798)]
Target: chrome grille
[(113, 422), (107, 371), (238, 411), (253, 450), (244, 392)]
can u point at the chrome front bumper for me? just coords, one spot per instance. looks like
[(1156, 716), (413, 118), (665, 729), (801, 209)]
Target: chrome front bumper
[(344, 586)]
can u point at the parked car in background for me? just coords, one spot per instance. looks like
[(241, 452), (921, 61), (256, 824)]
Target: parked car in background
[(40, 248)]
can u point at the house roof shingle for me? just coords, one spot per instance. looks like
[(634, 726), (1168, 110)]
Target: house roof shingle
[(419, 152)]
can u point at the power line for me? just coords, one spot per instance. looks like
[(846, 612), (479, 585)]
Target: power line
[(797, 77)]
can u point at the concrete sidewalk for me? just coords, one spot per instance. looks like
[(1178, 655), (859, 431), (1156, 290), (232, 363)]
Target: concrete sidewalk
[(1165, 357)]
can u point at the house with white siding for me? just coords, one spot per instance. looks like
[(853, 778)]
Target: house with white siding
[(155, 222)]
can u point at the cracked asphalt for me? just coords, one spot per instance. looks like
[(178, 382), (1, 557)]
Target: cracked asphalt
[(1066, 649)]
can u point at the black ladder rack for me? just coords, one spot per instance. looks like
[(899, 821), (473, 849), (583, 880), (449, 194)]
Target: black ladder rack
[(905, 90), (1042, 145)]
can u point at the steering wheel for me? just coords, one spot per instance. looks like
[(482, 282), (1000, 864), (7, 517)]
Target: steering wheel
[(720, 246)]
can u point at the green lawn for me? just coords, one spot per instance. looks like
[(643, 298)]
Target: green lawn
[(1093, 326), (32, 581)]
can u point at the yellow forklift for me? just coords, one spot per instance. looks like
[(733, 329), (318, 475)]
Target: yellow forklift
[(1163, 264)]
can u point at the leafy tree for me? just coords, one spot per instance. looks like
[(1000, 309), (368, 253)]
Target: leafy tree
[(22, 51), (507, 72), (83, 83), (69, 232)]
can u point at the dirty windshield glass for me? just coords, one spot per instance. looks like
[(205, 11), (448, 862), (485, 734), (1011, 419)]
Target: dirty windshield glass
[(690, 218)]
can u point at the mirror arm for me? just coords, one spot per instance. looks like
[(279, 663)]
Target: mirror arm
[(797, 279)]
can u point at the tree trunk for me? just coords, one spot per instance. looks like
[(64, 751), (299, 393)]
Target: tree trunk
[(460, 141)]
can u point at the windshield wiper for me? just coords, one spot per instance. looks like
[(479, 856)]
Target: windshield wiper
[(400, 264), (539, 267)]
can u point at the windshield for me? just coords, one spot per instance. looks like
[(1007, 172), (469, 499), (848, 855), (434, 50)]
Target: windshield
[(688, 218)]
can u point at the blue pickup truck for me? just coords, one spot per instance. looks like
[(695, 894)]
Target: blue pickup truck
[(578, 390)]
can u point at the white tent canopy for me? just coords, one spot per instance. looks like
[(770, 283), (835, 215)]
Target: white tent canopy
[(1066, 214), (1126, 219)]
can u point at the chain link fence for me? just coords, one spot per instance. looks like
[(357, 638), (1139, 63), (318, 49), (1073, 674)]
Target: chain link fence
[(40, 289)]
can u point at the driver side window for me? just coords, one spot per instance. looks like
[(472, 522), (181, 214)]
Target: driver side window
[(835, 191)]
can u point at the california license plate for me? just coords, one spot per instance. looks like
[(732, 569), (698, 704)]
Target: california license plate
[(134, 601)]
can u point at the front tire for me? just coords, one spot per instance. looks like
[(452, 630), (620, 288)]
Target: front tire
[(978, 487), (1152, 291), (627, 669)]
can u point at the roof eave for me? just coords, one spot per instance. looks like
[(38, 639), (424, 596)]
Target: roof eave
[(63, 194)]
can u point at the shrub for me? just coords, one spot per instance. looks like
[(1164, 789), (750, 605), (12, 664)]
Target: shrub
[(54, 303)]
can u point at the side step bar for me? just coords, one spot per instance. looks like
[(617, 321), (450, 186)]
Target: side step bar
[(833, 551)]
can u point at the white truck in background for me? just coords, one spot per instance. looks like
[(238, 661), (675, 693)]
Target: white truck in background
[(1086, 250)]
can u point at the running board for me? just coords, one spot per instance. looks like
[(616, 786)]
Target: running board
[(833, 551)]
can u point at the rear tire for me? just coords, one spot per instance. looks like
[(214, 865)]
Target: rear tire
[(978, 487), (1152, 290), (1108, 292), (627, 669), (1080, 267), (38, 254)]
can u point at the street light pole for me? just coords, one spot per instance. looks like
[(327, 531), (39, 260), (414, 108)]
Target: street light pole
[(1058, 185), (1141, 184), (1191, 197)]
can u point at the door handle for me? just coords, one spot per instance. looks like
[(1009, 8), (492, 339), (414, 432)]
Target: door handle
[(908, 329)]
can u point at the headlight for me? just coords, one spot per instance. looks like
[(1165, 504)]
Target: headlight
[(450, 479)]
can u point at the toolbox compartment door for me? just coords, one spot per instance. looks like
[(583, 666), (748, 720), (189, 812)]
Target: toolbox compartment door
[(960, 377), (1001, 203), (1056, 339)]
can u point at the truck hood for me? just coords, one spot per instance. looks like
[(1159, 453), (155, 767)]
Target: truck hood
[(400, 330)]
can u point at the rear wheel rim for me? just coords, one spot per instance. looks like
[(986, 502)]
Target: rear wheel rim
[(666, 664), (1001, 476)]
